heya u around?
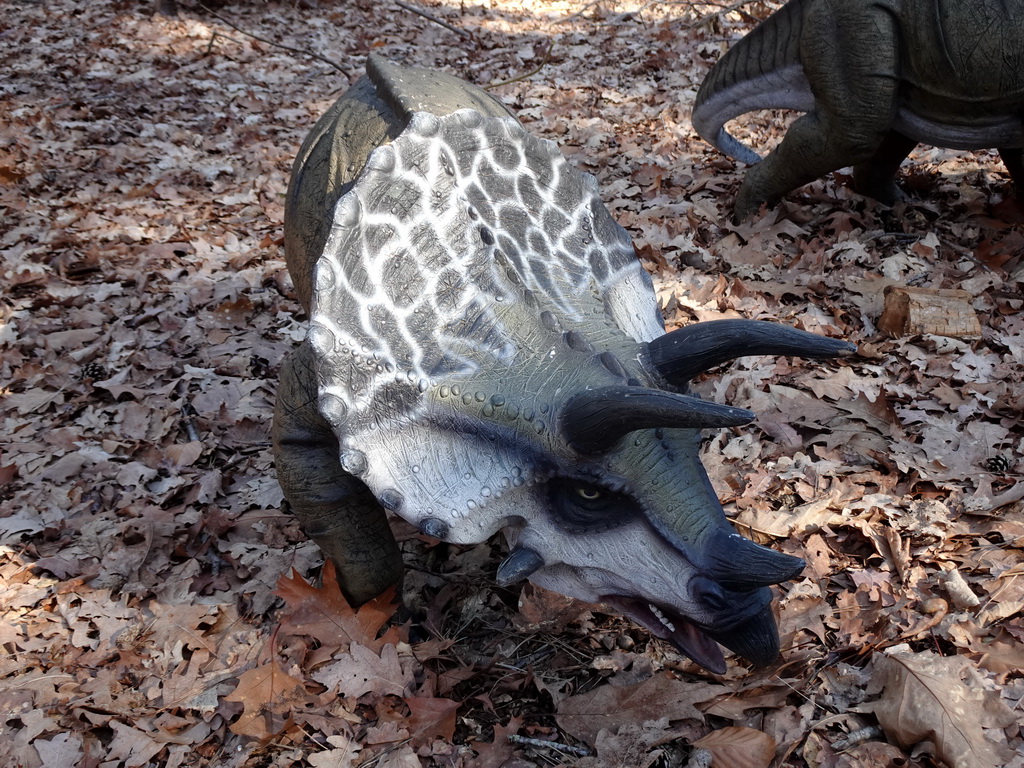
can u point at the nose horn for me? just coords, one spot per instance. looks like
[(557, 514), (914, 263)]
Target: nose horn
[(756, 640), (740, 564)]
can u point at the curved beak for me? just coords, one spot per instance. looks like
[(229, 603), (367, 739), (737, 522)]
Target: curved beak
[(756, 639)]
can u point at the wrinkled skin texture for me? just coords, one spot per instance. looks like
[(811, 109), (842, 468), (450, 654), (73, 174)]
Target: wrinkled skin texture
[(481, 357), (874, 78)]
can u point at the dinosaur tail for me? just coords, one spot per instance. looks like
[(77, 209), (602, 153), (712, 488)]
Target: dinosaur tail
[(761, 71)]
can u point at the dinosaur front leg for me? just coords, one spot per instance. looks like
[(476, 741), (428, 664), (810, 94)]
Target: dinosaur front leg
[(876, 177), (1013, 159), (336, 510), (849, 53)]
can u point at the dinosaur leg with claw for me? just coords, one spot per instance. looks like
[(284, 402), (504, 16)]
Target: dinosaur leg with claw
[(876, 177), (855, 98), (335, 509), (1013, 159)]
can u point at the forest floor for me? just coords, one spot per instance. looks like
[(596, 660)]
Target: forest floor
[(157, 605)]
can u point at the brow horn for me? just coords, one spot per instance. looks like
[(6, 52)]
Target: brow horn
[(595, 420), (686, 352)]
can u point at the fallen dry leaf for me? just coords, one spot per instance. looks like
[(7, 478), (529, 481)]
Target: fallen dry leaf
[(494, 753), (874, 754), (403, 757), (62, 749), (739, 747), (324, 613), (344, 753), (360, 671), (541, 608), (609, 708), (942, 700), (268, 694), (631, 745), (431, 719)]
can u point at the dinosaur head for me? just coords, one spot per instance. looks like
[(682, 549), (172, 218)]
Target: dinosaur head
[(491, 357)]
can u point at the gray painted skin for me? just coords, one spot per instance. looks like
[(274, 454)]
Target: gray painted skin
[(874, 78), (485, 353)]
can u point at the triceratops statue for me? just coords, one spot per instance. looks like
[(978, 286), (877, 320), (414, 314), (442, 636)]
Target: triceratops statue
[(485, 352)]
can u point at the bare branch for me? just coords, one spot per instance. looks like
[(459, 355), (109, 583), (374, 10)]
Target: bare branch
[(282, 46), (531, 73), (526, 741), (434, 19)]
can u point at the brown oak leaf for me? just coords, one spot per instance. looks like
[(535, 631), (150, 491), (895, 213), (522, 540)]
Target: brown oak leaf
[(739, 747), (495, 753), (362, 671), (610, 707), (431, 719), (941, 700), (325, 614), (632, 745), (268, 694)]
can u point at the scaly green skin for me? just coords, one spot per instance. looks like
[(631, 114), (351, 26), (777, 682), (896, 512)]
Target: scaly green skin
[(874, 78)]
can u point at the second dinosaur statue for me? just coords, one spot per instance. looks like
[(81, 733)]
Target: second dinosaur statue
[(874, 78)]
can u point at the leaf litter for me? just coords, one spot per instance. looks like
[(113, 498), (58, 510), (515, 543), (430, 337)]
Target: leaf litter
[(162, 608)]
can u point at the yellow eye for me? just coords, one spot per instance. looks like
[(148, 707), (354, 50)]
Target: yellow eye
[(588, 493)]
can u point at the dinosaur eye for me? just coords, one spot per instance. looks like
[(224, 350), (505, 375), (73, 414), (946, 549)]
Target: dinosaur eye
[(579, 506)]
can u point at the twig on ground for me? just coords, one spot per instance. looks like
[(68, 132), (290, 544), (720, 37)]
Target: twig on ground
[(528, 742), (434, 19), (394, 747), (213, 39), (692, 4), (282, 46), (188, 422), (533, 658), (531, 73), (803, 737), (853, 738), (738, 7)]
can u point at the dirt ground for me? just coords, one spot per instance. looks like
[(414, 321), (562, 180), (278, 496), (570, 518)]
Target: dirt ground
[(159, 605)]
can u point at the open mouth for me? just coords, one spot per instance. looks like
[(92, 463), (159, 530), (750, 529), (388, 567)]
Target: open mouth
[(753, 636), (667, 624)]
